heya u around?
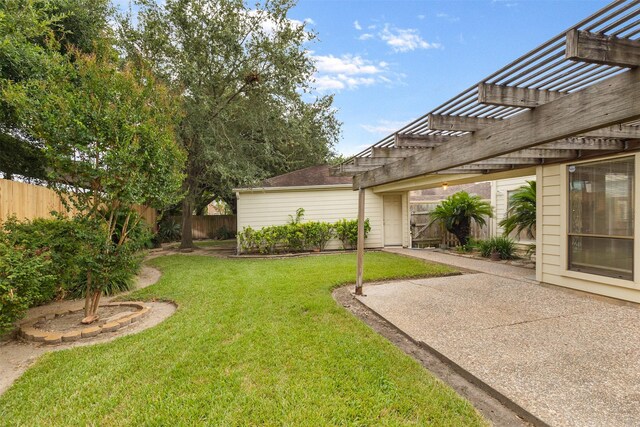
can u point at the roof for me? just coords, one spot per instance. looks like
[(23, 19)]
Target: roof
[(314, 175)]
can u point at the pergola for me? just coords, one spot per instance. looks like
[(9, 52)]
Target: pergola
[(576, 96)]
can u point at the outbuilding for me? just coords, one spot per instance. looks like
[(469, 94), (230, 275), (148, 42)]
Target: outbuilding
[(323, 198)]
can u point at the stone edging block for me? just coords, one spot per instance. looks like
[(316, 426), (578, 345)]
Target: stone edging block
[(29, 333)]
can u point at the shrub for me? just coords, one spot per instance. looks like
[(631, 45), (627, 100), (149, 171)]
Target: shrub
[(247, 240), (318, 234), (61, 238), (298, 236), (169, 230), (223, 233), (25, 281), (505, 247), (77, 247), (347, 231)]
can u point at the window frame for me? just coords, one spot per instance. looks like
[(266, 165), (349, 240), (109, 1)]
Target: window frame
[(564, 228)]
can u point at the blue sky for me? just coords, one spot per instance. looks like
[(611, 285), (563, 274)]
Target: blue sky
[(389, 62)]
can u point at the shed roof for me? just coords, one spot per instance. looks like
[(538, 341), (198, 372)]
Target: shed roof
[(314, 175)]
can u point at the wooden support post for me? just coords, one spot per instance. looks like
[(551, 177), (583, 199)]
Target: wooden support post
[(360, 241)]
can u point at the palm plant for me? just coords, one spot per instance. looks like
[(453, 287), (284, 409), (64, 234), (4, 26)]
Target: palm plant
[(521, 215), (458, 210)]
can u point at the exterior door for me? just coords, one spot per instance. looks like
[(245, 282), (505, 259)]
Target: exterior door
[(392, 220)]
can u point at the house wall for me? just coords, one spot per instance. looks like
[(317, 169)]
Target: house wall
[(500, 199), (259, 208), (551, 249)]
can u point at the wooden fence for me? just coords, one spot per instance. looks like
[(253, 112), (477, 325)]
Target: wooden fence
[(209, 226), (425, 235), (28, 201)]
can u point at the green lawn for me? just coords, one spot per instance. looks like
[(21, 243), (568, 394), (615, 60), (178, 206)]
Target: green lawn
[(254, 342)]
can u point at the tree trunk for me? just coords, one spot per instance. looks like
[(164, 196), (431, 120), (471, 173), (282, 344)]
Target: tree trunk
[(87, 296), (91, 302), (187, 235), (462, 232)]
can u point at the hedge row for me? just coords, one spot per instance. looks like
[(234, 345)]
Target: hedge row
[(299, 236)]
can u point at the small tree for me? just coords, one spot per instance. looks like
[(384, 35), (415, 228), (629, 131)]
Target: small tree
[(107, 131), (521, 215), (458, 210)]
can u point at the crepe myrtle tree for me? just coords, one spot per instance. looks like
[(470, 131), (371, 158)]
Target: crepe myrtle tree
[(107, 129)]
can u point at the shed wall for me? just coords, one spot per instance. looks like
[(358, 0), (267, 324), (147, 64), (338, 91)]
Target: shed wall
[(259, 209)]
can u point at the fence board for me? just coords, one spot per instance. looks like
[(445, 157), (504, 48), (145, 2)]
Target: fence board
[(208, 226), (28, 201), (436, 234)]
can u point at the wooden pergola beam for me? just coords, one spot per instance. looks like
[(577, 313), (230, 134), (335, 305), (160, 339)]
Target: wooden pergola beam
[(618, 131), (595, 48), (607, 103), (423, 141), (373, 161), (459, 123), (542, 153), (513, 96), (397, 153), (586, 144)]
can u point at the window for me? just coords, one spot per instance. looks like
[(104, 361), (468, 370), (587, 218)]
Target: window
[(600, 228)]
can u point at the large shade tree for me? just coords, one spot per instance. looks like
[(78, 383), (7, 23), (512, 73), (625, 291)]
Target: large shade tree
[(242, 74)]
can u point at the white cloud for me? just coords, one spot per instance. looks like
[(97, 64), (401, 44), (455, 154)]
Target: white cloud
[(335, 73), (346, 64), (384, 126), (421, 17), (328, 83), (357, 25), (448, 17), (372, 27), (405, 40), (365, 36)]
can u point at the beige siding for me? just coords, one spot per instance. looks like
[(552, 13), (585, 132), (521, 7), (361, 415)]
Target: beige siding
[(259, 209), (552, 240)]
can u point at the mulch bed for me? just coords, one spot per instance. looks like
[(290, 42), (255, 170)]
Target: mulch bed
[(72, 320)]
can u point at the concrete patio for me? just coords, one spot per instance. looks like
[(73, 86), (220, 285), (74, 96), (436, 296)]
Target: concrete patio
[(566, 358)]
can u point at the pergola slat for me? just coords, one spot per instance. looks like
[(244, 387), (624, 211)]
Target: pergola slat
[(612, 101), (544, 67)]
